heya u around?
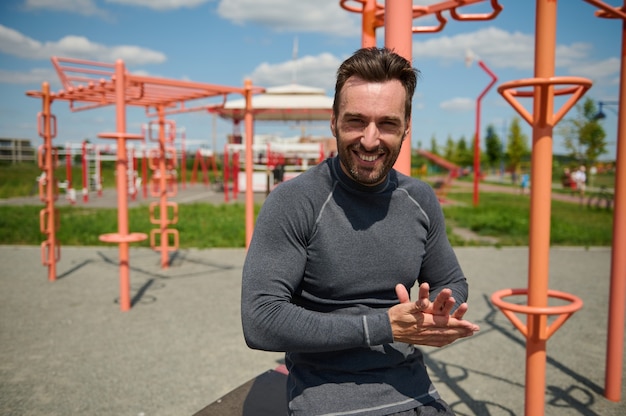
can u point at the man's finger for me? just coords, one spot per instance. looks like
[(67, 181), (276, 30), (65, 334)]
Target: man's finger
[(402, 293)]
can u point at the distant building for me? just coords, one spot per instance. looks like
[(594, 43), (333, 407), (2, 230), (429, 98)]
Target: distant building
[(17, 150)]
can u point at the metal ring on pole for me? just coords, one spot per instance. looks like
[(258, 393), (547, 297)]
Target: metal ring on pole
[(509, 309), (577, 88)]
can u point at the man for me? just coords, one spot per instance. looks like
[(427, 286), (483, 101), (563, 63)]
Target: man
[(336, 251)]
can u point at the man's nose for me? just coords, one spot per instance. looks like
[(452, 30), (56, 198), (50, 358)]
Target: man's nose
[(371, 137)]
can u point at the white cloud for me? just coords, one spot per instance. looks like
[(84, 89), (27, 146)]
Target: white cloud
[(321, 16), (82, 7), (315, 71), (90, 8), (34, 76), (498, 49), (458, 104), (17, 44), (493, 45), (161, 5), (605, 69)]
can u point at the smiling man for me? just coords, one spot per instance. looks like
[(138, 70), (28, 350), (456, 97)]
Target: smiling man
[(336, 251)]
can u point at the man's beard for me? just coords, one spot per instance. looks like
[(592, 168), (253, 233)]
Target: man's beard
[(367, 176)]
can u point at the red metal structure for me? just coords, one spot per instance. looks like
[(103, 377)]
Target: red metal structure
[(162, 162), (89, 85), (543, 89), (48, 191), (617, 292), (453, 172), (398, 35), (477, 170)]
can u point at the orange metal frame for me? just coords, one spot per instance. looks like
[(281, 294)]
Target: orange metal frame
[(89, 85), (477, 172), (544, 87), (617, 292), (398, 36), (540, 209), (48, 217), (453, 172)]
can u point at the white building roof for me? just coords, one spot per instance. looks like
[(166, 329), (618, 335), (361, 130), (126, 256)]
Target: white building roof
[(291, 102)]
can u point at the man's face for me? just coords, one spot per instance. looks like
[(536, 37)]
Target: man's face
[(370, 127)]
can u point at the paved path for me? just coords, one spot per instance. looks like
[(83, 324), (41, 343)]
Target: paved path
[(199, 192), (67, 349)]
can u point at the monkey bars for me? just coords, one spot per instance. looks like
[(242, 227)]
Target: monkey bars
[(89, 85)]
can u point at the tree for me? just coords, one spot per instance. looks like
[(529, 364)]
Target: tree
[(517, 147), (449, 151), (434, 147), (493, 147), (583, 135), (464, 155)]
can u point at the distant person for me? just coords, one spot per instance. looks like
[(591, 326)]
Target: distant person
[(580, 178), (336, 251), (566, 179), (524, 182)]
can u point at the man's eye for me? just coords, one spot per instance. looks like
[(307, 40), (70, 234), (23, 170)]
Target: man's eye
[(355, 121)]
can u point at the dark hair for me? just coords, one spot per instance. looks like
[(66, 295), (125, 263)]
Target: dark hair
[(377, 65)]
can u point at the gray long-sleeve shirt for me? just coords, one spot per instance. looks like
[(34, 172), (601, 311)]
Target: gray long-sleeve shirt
[(320, 275)]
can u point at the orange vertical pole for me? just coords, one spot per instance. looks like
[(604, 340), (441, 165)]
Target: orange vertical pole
[(121, 170), (226, 169), (163, 183), (368, 24), (85, 172), (617, 292), (236, 156), (183, 161), (48, 215), (540, 206), (477, 133), (68, 169), (144, 168), (399, 37), (249, 123)]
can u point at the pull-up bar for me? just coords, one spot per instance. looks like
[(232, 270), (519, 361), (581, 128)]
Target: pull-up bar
[(89, 85)]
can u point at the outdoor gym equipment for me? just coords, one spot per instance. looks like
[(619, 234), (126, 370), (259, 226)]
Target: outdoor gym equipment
[(398, 35), (162, 163), (494, 79), (441, 188), (89, 85), (272, 162), (543, 88), (49, 216), (617, 292)]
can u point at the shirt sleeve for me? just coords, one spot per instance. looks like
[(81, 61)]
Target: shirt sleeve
[(272, 272), (440, 267)]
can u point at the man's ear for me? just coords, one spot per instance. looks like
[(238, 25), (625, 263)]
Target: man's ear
[(333, 125), (408, 129)]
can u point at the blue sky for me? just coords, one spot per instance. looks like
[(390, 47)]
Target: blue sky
[(225, 41)]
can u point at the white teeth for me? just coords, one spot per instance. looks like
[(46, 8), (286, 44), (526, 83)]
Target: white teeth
[(368, 158)]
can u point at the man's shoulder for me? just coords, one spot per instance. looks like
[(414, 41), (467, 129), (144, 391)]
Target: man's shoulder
[(412, 184), (316, 179)]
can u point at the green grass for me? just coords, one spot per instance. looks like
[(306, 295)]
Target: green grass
[(199, 225), (506, 217)]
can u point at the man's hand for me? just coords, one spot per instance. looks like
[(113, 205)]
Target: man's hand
[(428, 323)]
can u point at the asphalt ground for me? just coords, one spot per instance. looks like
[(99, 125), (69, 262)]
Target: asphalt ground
[(66, 348)]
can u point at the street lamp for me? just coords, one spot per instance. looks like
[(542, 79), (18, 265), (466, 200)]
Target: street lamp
[(600, 114)]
